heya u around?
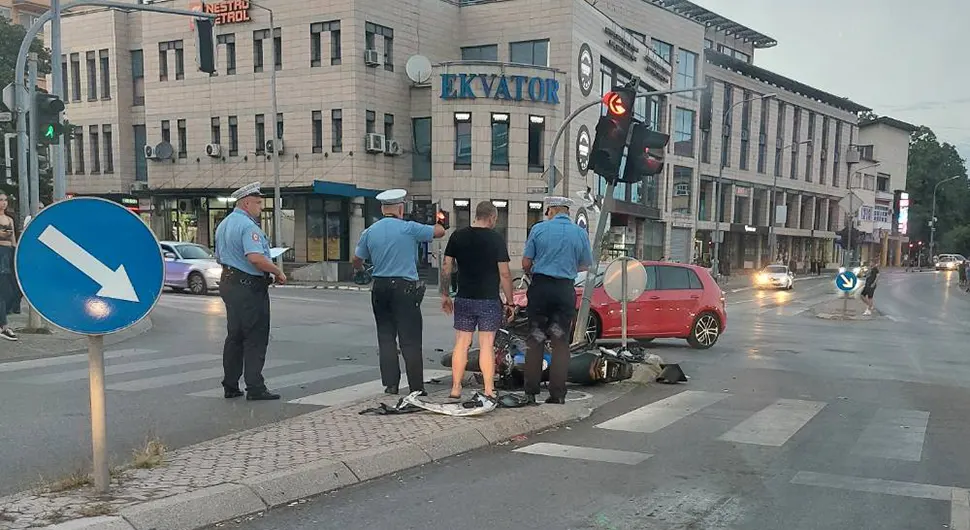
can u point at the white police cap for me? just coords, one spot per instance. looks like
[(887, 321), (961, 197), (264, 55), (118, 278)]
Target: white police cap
[(558, 201), (391, 197), (249, 190)]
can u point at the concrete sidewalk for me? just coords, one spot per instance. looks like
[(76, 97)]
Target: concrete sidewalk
[(274, 465), (57, 341)]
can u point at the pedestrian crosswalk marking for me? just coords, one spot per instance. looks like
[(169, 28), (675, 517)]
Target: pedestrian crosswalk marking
[(47, 362), (874, 485), (349, 394), (895, 434), (584, 453), (655, 416), (774, 424), (115, 369), (298, 378), (149, 383)]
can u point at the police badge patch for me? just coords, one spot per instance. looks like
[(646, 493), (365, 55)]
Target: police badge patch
[(255, 237)]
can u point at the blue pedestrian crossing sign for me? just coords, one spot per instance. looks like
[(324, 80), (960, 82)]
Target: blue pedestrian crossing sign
[(90, 266), (846, 281)]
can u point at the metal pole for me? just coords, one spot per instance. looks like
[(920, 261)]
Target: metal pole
[(933, 219), (277, 141), (623, 304), (773, 204), (57, 150), (716, 258), (99, 435), (582, 319), (32, 144)]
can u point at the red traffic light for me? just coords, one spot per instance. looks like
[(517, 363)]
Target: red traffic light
[(440, 216), (614, 104)]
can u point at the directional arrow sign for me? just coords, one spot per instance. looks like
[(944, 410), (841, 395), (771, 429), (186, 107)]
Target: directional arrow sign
[(846, 281), (90, 266)]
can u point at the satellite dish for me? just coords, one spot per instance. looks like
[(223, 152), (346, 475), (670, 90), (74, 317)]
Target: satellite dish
[(418, 69), (164, 150)]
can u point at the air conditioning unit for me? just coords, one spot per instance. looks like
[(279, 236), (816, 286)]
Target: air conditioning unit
[(150, 152), (374, 143), (744, 134), (270, 148), (139, 186), (213, 150), (393, 148), (371, 58)]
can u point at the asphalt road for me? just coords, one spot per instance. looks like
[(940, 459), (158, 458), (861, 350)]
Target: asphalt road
[(790, 422)]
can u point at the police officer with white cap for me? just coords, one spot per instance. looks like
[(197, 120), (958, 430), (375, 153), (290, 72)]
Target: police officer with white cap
[(391, 244), (555, 252), (243, 251)]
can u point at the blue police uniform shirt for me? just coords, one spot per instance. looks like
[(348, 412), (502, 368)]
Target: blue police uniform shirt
[(558, 247), (391, 244), (238, 235)]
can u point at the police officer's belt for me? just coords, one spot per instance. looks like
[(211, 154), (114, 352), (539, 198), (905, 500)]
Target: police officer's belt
[(233, 275)]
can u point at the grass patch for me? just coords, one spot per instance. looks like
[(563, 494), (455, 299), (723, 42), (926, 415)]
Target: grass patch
[(77, 479), (95, 510), (150, 456)]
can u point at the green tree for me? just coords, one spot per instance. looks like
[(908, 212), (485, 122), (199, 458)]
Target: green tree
[(929, 163), (956, 241)]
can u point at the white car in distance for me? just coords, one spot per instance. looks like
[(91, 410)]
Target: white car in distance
[(775, 277)]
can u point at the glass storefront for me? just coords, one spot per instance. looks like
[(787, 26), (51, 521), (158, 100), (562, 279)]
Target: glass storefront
[(328, 229)]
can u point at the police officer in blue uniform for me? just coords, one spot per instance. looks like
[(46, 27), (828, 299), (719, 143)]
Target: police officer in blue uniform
[(555, 252), (243, 251), (391, 244)]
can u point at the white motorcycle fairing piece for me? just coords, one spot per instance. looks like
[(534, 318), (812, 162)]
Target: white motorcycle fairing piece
[(477, 405)]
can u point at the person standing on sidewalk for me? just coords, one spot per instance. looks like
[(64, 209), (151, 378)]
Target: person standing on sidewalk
[(483, 256), (555, 252), (391, 244), (9, 289), (243, 251), (869, 289)]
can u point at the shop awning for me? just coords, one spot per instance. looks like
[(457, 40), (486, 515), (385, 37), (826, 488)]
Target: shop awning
[(341, 189)]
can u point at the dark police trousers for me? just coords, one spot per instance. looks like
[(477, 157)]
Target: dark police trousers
[(397, 312), (551, 310), (247, 322)]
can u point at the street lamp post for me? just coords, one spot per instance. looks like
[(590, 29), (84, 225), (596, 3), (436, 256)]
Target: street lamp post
[(715, 259), (772, 238), (847, 259), (933, 214)]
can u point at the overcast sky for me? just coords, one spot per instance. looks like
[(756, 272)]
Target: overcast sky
[(906, 59)]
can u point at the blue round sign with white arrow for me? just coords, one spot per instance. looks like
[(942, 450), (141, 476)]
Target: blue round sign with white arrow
[(846, 281), (90, 266)]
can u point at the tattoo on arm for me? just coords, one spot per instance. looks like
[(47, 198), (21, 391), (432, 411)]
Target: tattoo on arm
[(444, 282)]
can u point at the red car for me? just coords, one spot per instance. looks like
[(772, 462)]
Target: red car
[(680, 301)]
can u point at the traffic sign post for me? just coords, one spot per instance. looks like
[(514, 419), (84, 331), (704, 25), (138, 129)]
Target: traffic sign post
[(624, 281), (91, 266), (846, 282)]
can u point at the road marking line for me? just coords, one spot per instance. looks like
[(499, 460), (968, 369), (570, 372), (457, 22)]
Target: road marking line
[(960, 509), (148, 383), (584, 453), (874, 485), (124, 368), (349, 394), (894, 433), (17, 366), (774, 424), (659, 414), (299, 378)]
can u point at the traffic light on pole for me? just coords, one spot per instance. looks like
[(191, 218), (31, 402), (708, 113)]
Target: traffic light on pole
[(443, 218), (49, 128), (611, 132), (205, 45), (646, 154)]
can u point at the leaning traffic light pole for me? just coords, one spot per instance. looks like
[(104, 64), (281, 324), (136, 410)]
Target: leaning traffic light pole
[(583, 316)]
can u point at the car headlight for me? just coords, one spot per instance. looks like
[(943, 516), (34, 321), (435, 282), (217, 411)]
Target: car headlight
[(841, 270), (761, 278)]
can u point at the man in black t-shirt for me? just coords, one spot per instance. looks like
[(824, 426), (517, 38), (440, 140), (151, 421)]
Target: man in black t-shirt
[(483, 257), (869, 288)]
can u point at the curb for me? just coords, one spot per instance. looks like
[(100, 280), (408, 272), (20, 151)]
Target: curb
[(327, 287), (208, 506), (45, 347)]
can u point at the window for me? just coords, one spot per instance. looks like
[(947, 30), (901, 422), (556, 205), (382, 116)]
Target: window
[(388, 126), (537, 128), (463, 213), (179, 61), (780, 139), (162, 62), (637, 35), (215, 131), (279, 125), (92, 77), (233, 136), (836, 153), (796, 126), (686, 71), (463, 140), (317, 30), (258, 37), (183, 140), (328, 229), (684, 132), (500, 141), (533, 215), (64, 79), (105, 74), (763, 137), (109, 155), (95, 149), (317, 117), (870, 183), (708, 43), (745, 130), (229, 41), (671, 278), (69, 155), (337, 131), (882, 182), (486, 52), (370, 122), (79, 149), (880, 214), (726, 128), (683, 182), (534, 52), (166, 131), (371, 32), (278, 48), (663, 49), (163, 48), (502, 224), (260, 134), (138, 77), (75, 77), (141, 164), (810, 147), (823, 150), (421, 154), (742, 56), (6, 13)]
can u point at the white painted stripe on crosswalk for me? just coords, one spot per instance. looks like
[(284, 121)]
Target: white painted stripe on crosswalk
[(774, 424), (299, 378), (349, 394), (584, 453), (874, 485), (124, 368), (960, 509), (17, 366), (148, 383), (655, 416), (894, 433)]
